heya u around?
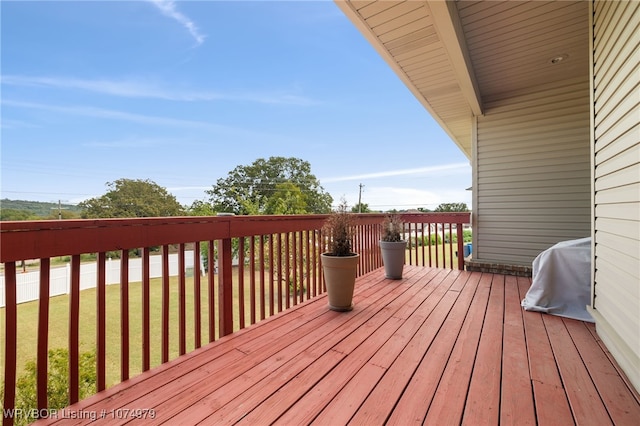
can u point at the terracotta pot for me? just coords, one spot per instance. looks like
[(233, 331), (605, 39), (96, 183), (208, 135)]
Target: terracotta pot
[(340, 279), (393, 253)]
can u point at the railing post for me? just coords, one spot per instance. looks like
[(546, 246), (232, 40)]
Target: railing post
[(43, 334), (460, 234), (225, 286), (10, 333)]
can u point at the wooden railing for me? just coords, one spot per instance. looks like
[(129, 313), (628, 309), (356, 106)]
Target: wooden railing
[(256, 266)]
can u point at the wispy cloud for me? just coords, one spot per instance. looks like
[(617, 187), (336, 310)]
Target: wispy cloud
[(89, 111), (8, 123), (146, 90), (130, 142), (169, 9), (431, 170), (156, 121), (109, 114)]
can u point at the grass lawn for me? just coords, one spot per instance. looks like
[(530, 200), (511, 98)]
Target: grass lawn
[(439, 248)]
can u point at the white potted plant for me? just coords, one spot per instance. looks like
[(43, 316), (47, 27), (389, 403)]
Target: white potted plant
[(340, 263), (393, 246)]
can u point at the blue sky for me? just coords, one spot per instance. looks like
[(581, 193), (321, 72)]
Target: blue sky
[(183, 92)]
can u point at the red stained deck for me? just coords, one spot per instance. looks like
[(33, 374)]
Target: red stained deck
[(438, 347)]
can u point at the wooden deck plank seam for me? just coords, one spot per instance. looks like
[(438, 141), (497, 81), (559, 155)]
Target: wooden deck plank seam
[(482, 405), (449, 400), (416, 398), (298, 402), (409, 287), (380, 402)]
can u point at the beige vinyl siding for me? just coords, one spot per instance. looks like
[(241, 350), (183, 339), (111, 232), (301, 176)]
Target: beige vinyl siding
[(616, 85), (533, 173)]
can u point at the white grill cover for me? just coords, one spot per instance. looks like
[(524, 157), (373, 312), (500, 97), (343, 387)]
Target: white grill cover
[(561, 283)]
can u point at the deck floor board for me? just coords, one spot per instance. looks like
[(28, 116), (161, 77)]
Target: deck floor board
[(437, 347)]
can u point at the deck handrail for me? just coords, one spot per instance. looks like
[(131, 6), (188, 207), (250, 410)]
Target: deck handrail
[(268, 246)]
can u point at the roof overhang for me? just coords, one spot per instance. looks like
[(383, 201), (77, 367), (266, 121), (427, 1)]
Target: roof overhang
[(455, 56)]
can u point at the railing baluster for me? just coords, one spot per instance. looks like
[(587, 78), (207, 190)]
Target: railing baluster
[(211, 273), (197, 295), (252, 277), (182, 302), (262, 287), (315, 257), (271, 275), (429, 243), (225, 287), (124, 315), (307, 237), (101, 320), (422, 243), (299, 275), (43, 333), (74, 330), (444, 257), (165, 303), (460, 234), (450, 247), (146, 310), (280, 266), (416, 239), (241, 312), (286, 269), (292, 281), (10, 339)]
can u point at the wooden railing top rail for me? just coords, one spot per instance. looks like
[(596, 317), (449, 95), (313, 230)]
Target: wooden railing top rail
[(20, 240)]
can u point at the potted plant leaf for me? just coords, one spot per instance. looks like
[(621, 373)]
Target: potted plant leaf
[(393, 246), (340, 263)]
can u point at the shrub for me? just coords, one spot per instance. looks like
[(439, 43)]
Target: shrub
[(392, 228), (339, 228), (57, 385)]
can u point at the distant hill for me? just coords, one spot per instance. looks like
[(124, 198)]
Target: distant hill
[(36, 207)]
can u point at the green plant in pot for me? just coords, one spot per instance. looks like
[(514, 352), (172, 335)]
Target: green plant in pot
[(393, 246), (340, 263)]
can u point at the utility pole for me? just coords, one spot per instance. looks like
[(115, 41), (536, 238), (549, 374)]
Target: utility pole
[(360, 199), (60, 208)]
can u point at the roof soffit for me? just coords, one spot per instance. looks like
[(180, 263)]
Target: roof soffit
[(404, 35)]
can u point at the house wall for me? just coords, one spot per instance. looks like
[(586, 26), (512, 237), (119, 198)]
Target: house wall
[(616, 180), (532, 173)]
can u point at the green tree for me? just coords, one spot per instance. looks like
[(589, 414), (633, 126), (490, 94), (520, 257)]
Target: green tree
[(132, 198), (259, 188), (361, 208), (452, 207), (13, 214), (201, 208), (287, 199)]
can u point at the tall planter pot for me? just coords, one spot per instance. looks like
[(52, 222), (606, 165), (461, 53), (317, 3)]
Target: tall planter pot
[(340, 279), (393, 253)]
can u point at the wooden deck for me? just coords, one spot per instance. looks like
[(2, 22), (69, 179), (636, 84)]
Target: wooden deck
[(438, 347)]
